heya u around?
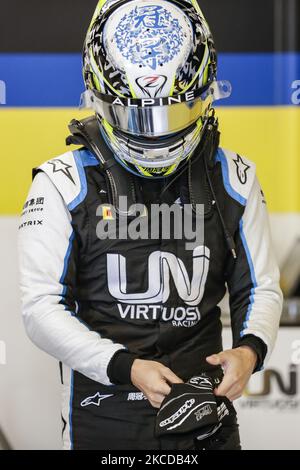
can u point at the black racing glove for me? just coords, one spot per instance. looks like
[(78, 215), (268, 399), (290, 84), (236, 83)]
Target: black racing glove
[(191, 408)]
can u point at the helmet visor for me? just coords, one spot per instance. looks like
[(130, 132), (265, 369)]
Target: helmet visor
[(155, 117)]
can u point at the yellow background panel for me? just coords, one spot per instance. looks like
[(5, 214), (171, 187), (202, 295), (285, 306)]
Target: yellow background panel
[(268, 136), (271, 138)]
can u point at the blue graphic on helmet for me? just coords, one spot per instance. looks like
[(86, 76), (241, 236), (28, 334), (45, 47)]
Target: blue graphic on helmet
[(149, 35)]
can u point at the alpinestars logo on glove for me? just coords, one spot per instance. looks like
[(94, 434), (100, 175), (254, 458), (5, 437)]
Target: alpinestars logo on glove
[(160, 266), (182, 410)]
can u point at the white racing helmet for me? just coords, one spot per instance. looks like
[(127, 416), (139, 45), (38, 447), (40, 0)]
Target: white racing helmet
[(150, 73)]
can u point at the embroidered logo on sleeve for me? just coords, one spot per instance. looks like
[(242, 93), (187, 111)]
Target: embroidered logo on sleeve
[(59, 165), (241, 169)]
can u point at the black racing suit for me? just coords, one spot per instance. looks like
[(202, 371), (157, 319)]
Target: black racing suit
[(97, 304)]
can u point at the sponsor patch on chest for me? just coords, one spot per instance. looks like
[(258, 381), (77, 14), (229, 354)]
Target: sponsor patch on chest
[(178, 316)]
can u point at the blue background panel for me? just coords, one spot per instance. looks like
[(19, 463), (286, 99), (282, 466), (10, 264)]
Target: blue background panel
[(55, 80)]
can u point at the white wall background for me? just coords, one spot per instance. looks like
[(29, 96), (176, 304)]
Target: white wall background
[(29, 382)]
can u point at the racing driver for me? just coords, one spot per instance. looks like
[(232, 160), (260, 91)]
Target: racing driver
[(131, 317)]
